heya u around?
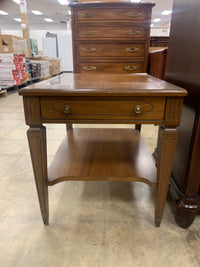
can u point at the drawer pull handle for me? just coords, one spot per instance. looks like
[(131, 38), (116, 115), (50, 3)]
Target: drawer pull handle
[(135, 15), (130, 69), (134, 50), (88, 33), (90, 68), (91, 49), (67, 109), (85, 15), (130, 32), (138, 109)]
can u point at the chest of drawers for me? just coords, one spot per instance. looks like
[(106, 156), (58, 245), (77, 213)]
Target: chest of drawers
[(110, 37)]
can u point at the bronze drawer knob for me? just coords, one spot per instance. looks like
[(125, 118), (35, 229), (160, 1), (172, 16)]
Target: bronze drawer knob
[(135, 15), (134, 50), (91, 49), (138, 109), (85, 15), (135, 32), (131, 69), (88, 33), (67, 109), (90, 68)]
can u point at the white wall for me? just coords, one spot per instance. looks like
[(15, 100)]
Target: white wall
[(34, 34)]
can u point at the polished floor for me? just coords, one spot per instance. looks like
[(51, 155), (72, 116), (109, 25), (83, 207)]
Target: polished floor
[(92, 224)]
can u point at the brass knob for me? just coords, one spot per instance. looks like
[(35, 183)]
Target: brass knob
[(67, 109), (134, 50), (86, 15), (138, 109), (130, 69), (90, 32), (135, 15), (135, 32), (90, 68), (91, 49)]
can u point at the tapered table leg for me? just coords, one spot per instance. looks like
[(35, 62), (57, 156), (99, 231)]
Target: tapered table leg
[(69, 126), (167, 140), (37, 145)]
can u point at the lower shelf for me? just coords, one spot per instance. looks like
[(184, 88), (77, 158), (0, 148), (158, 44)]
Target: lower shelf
[(102, 155)]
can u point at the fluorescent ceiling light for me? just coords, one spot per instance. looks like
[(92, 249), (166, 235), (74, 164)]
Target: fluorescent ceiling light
[(157, 20), (63, 2), (36, 12), (135, 1), (48, 20), (166, 12), (17, 1), (3, 12), (18, 19), (69, 12)]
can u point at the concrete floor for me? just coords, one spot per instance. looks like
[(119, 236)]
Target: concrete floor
[(92, 224)]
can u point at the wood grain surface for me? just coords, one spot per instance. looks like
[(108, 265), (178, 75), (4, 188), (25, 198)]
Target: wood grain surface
[(103, 155)]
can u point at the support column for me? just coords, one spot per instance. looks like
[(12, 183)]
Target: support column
[(25, 26)]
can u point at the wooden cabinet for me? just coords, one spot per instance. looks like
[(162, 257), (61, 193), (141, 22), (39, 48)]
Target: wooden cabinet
[(157, 62), (159, 41), (183, 68), (111, 37)]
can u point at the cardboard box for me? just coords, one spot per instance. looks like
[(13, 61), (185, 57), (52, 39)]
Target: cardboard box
[(54, 66), (13, 44)]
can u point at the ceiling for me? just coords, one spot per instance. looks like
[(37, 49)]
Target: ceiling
[(52, 9)]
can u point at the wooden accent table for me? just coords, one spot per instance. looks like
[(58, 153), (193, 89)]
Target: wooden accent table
[(103, 154)]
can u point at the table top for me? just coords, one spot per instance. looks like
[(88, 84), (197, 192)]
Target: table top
[(70, 84)]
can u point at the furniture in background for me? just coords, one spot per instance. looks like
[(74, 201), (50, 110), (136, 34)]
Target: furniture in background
[(110, 37), (157, 62), (183, 69), (103, 154), (159, 41)]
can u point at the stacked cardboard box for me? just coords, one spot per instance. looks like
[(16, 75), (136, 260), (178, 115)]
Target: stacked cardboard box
[(11, 44), (54, 66), (12, 69)]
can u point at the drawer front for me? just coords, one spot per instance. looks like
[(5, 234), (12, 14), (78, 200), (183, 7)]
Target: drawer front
[(109, 14), (140, 108), (110, 67), (111, 49), (131, 32)]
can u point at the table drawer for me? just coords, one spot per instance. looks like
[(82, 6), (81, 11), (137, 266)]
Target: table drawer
[(109, 14), (132, 32), (110, 67), (111, 49), (140, 108)]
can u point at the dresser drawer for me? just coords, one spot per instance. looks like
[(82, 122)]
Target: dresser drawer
[(110, 67), (132, 32), (109, 14), (111, 49), (140, 108)]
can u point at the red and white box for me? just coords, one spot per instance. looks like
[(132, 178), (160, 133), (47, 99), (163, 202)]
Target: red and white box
[(10, 75), (10, 82)]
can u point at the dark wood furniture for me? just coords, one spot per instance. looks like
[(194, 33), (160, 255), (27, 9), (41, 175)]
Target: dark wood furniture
[(90, 154), (110, 37), (159, 41), (157, 62), (183, 69)]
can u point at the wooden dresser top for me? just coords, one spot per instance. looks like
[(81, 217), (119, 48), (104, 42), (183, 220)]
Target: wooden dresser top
[(69, 84), (107, 3)]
